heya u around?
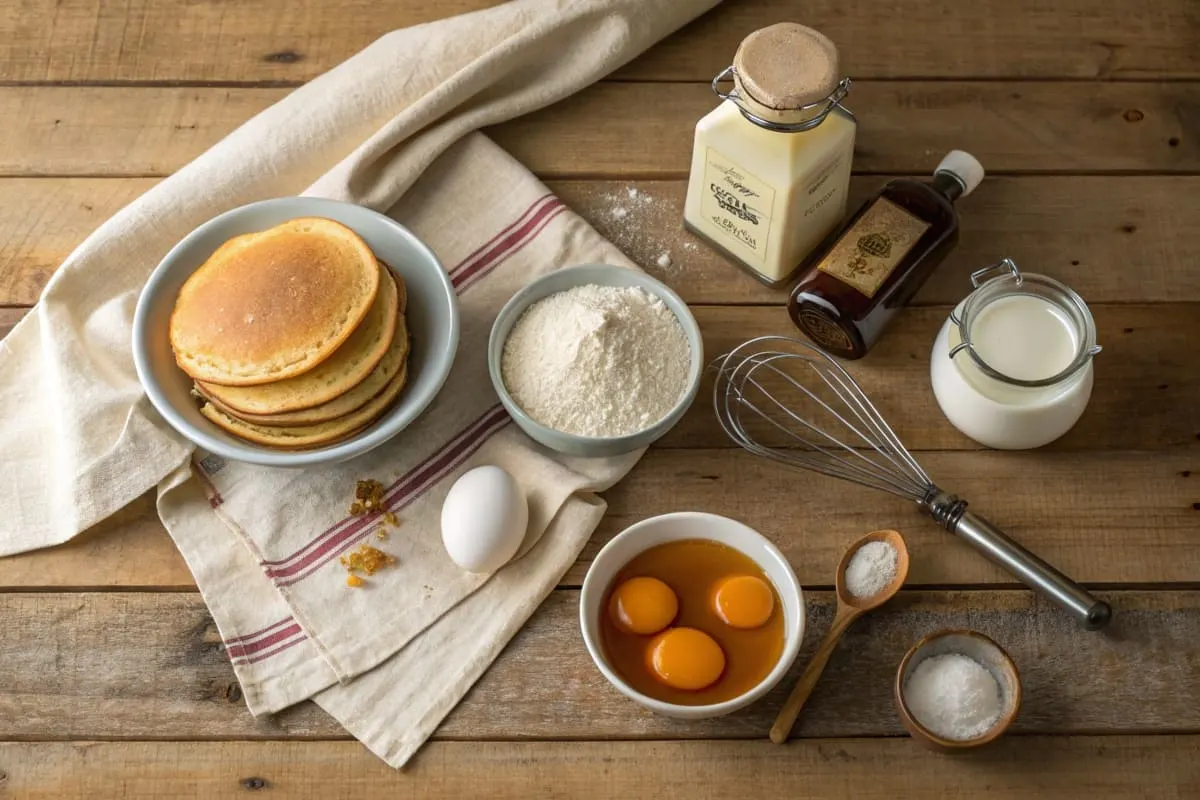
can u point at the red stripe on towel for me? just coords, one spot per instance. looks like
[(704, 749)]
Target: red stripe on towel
[(254, 659), (352, 537), (283, 634), (508, 245), (486, 246), (259, 632)]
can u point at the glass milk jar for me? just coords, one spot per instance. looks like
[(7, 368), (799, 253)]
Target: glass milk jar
[(771, 164), (1012, 366)]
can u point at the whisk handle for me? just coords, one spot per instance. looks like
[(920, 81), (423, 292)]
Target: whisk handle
[(1033, 571)]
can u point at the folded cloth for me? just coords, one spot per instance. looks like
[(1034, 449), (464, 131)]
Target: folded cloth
[(392, 129)]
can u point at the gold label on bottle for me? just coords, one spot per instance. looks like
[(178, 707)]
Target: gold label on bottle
[(737, 203), (866, 254)]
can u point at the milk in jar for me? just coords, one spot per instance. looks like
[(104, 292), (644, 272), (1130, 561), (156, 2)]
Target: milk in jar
[(1012, 366)]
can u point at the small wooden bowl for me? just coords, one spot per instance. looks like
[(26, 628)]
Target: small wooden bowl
[(987, 653)]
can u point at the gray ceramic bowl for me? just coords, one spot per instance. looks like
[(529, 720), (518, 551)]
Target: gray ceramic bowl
[(432, 318), (601, 275)]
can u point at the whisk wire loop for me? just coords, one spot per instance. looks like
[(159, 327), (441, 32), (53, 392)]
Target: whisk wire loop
[(864, 448)]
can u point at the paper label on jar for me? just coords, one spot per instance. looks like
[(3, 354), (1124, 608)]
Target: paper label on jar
[(866, 254), (737, 203)]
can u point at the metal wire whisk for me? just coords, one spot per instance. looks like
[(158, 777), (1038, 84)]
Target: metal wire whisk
[(786, 400)]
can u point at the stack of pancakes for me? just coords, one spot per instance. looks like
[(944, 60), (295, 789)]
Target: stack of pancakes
[(295, 336)]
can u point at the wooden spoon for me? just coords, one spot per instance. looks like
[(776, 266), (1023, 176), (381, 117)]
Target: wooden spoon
[(849, 608)]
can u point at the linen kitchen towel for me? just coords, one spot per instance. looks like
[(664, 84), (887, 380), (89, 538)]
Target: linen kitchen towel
[(263, 544), (79, 440)]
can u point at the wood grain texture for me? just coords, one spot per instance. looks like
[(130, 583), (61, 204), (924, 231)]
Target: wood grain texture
[(44, 220), (1113, 239), (1147, 378), (903, 127), (130, 548), (1107, 518), (207, 40), (9, 317), (295, 40), (940, 39), (1016, 768), (1102, 518), (645, 129), (136, 666)]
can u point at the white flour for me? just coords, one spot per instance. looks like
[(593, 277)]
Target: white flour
[(645, 225), (871, 568), (597, 361)]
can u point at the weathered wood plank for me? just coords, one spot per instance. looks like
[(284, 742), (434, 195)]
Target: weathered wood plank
[(8, 318), (1113, 239), (988, 39), (1108, 518), (1016, 768), (291, 40), (133, 666), (45, 219), (1146, 379), (130, 548), (1103, 518), (645, 129), (903, 127), (145, 40)]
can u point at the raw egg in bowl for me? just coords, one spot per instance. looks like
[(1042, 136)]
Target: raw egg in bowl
[(692, 615)]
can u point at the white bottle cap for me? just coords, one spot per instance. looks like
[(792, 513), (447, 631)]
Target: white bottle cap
[(963, 166)]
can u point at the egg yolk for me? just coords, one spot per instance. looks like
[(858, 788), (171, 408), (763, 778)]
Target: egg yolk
[(744, 601), (685, 658), (643, 605)]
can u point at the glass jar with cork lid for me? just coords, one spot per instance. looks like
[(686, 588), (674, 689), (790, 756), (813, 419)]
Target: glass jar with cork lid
[(771, 164)]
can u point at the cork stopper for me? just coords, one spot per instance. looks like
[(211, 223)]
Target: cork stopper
[(786, 66)]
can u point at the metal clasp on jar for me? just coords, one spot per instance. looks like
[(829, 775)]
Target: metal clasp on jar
[(978, 278), (825, 106), (1051, 291)]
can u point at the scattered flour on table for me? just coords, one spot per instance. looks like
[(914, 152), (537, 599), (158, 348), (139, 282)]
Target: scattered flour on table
[(597, 360), (643, 225)]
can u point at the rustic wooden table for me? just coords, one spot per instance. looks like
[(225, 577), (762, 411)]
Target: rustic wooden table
[(1087, 116)]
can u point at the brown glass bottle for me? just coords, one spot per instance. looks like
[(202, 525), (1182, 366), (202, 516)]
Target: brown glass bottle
[(867, 270)]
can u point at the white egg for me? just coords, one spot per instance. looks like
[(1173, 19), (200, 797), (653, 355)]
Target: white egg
[(484, 519)]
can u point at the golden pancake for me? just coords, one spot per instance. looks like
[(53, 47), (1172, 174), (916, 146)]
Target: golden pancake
[(272, 305), (305, 436), (401, 289), (401, 292), (340, 406), (333, 377)]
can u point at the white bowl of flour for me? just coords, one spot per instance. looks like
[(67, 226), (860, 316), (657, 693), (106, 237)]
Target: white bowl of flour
[(596, 360)]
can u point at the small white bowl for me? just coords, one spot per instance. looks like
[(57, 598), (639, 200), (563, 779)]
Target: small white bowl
[(675, 527), (602, 275)]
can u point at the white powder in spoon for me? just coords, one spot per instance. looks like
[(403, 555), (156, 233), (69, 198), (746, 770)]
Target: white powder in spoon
[(597, 360), (871, 568)]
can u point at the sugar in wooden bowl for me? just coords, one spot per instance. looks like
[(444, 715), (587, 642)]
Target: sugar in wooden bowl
[(957, 690)]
